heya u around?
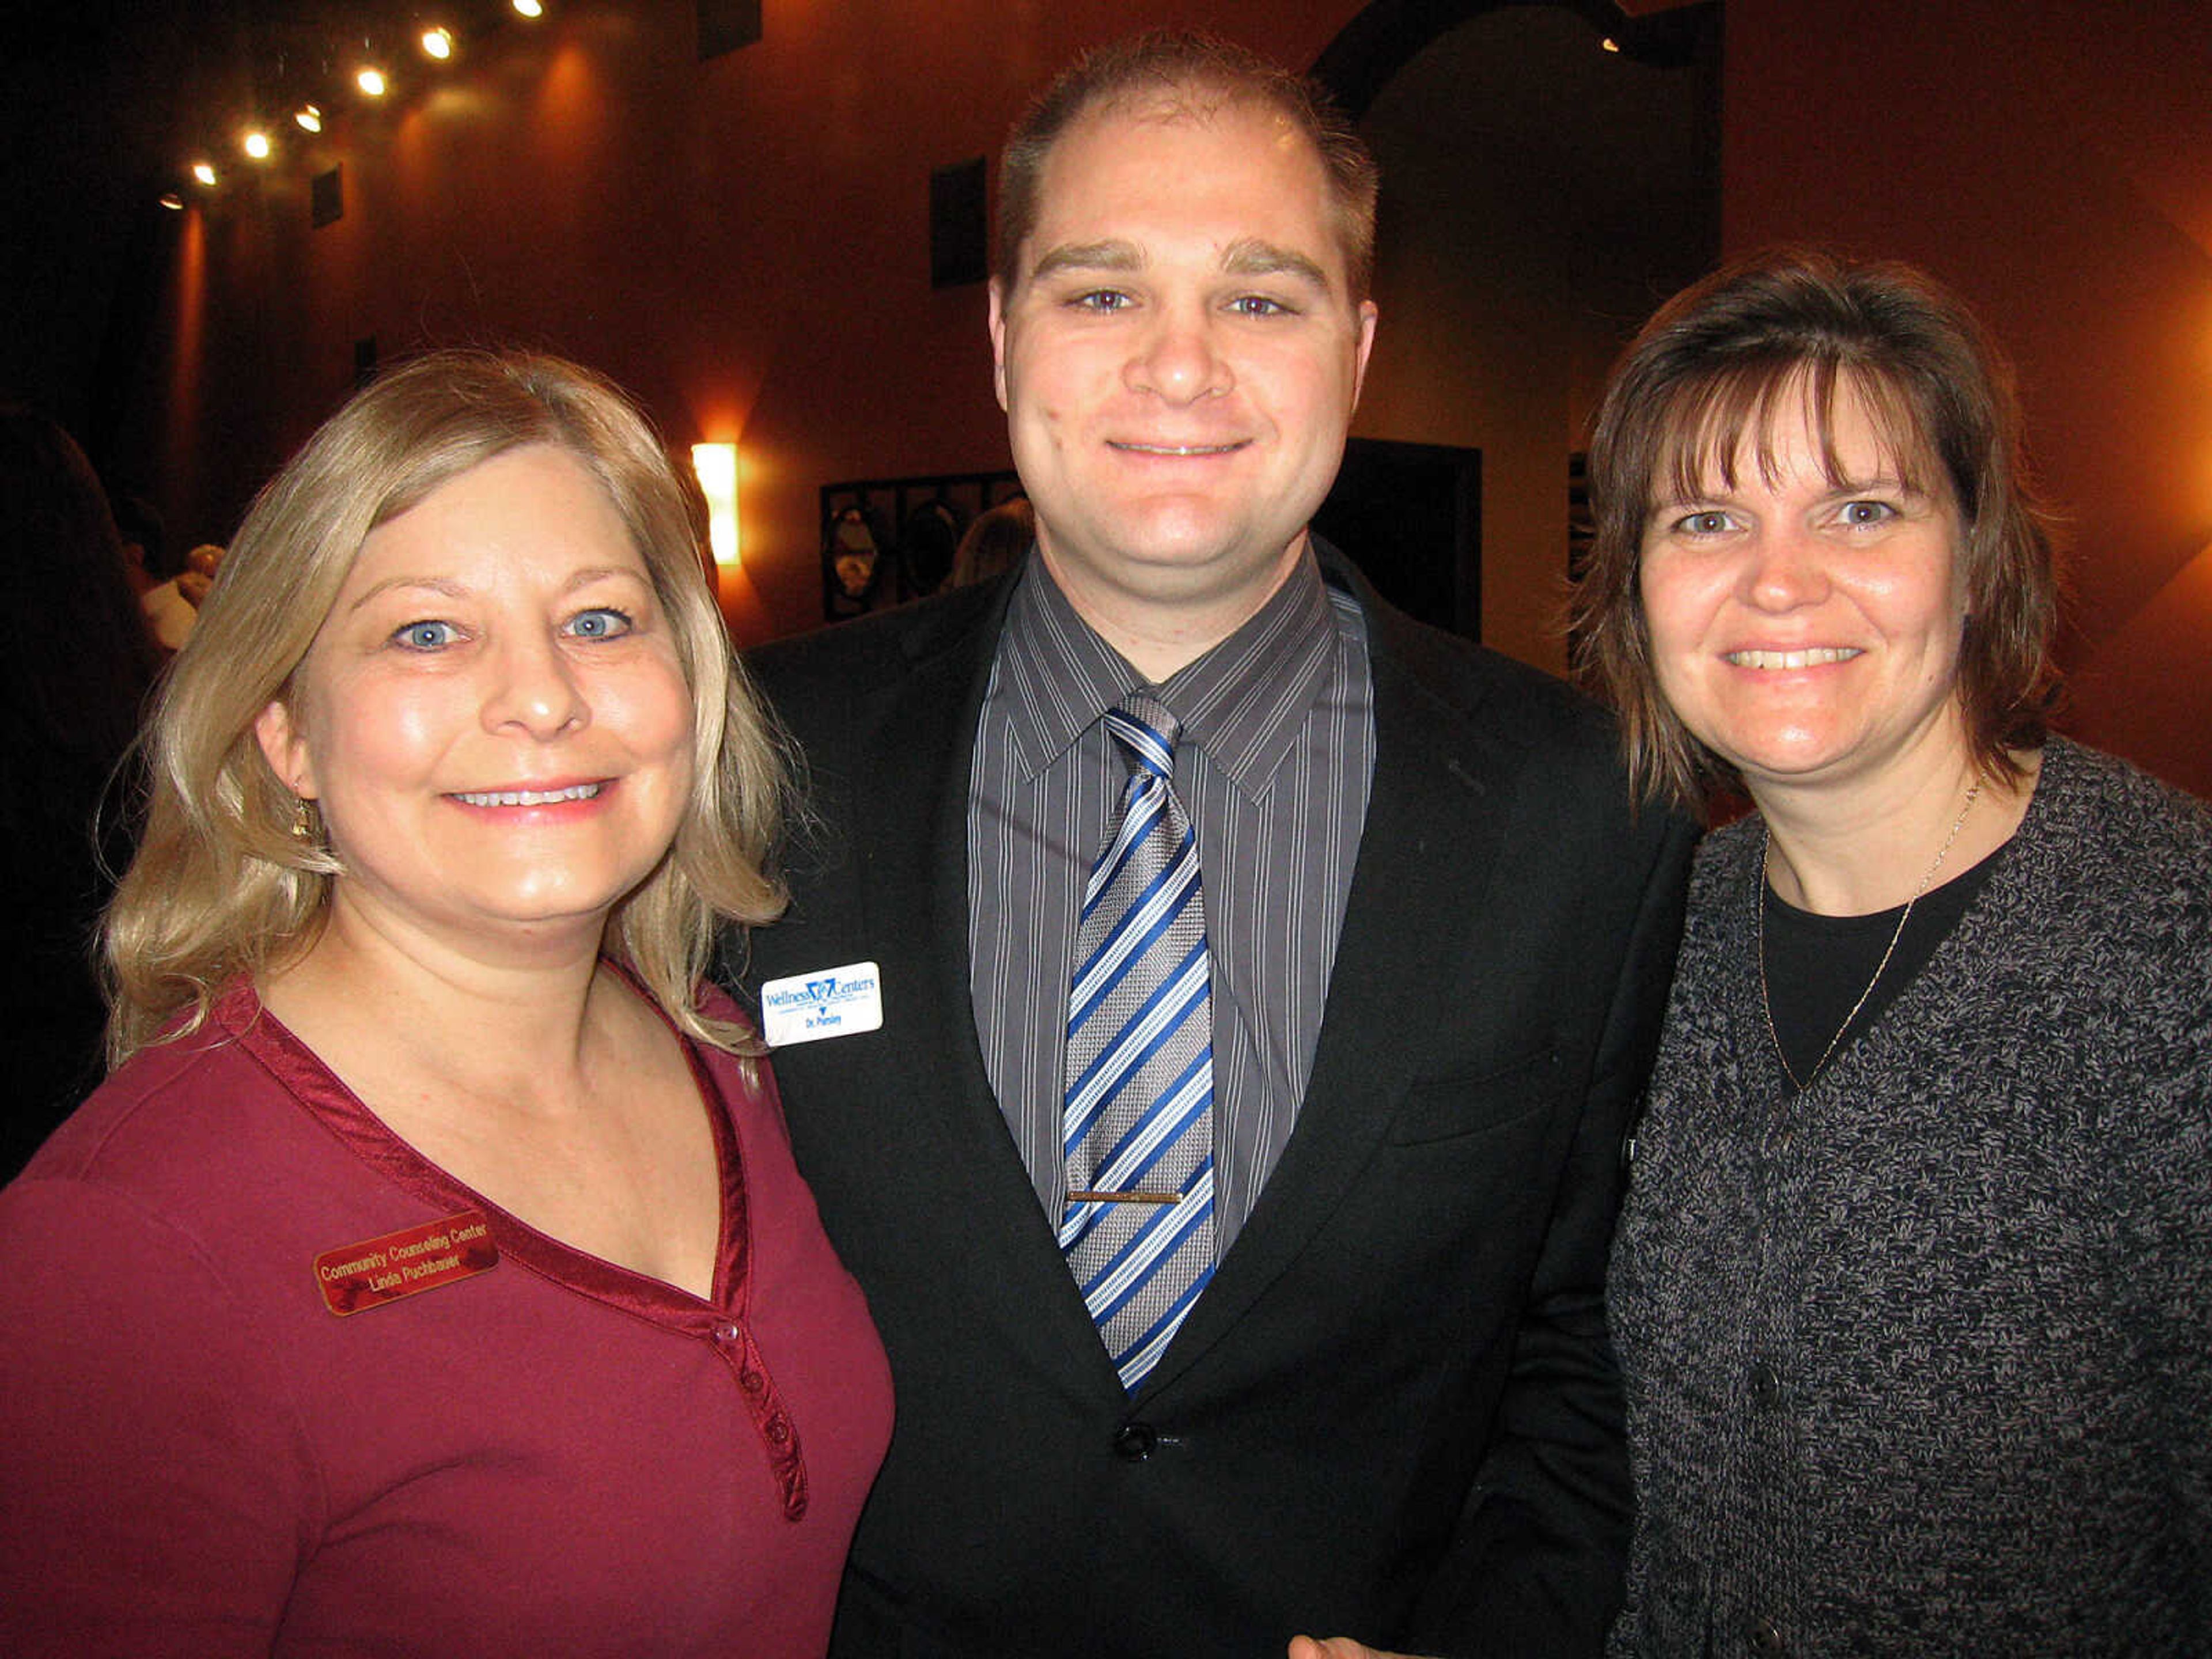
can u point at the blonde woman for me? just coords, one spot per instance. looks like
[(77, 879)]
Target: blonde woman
[(431, 1274)]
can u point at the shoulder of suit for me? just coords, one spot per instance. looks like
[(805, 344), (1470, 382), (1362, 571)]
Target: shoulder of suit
[(1464, 677), (1485, 686), (884, 646)]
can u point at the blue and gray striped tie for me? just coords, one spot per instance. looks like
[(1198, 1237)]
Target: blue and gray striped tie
[(1138, 1129)]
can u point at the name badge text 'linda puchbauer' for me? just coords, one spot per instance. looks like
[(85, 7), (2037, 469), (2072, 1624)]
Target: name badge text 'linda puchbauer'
[(828, 1003)]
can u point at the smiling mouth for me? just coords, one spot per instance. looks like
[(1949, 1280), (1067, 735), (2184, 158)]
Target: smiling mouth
[(530, 797), (1812, 659), (1184, 450)]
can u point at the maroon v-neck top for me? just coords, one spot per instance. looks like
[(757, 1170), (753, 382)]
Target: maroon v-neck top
[(271, 1383)]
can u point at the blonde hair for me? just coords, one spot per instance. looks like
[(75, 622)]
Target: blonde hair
[(221, 886)]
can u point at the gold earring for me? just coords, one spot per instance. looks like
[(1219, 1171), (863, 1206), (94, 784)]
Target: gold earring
[(307, 828)]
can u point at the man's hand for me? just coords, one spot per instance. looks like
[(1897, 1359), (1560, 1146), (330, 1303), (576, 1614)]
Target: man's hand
[(1337, 1647)]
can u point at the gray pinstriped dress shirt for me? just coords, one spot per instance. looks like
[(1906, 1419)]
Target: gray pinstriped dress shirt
[(1275, 767)]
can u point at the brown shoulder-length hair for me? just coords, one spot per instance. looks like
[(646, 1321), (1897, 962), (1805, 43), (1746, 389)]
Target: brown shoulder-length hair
[(1199, 75), (221, 884), (1706, 381)]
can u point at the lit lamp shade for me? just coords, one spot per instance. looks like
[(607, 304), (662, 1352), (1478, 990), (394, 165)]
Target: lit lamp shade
[(717, 467)]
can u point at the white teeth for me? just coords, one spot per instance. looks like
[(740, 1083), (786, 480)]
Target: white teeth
[(530, 797), (1177, 449), (1812, 659)]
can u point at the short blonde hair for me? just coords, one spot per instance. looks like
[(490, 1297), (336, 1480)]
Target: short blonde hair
[(220, 887)]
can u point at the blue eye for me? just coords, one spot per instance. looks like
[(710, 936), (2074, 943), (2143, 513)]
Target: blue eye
[(425, 636), (600, 623)]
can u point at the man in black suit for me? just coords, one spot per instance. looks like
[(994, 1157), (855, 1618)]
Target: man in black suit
[(1383, 1401)]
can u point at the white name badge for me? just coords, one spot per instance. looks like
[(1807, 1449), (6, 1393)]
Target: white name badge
[(833, 1002)]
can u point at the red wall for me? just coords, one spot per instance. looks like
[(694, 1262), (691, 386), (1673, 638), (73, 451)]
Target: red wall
[(2053, 161)]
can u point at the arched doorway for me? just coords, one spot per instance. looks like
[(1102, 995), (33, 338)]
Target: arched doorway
[(1551, 171)]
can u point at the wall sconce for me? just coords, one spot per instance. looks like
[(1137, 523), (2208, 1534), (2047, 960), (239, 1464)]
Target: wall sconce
[(717, 467)]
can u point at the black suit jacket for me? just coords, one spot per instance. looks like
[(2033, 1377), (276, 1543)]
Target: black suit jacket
[(1394, 1412)]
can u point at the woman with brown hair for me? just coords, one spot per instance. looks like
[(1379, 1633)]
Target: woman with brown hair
[(1913, 1287), (432, 1273)]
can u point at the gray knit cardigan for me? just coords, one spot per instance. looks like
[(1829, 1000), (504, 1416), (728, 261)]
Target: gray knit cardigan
[(1921, 1361)]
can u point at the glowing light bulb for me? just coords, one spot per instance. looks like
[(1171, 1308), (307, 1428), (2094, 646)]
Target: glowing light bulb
[(717, 467), (255, 143), (372, 82), (309, 118), (528, 9), (204, 172), (439, 43), (173, 201)]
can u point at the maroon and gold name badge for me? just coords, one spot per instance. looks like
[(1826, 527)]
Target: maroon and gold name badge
[(381, 1270)]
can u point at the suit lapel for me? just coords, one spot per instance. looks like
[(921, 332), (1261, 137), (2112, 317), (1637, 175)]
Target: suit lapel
[(915, 901), (1441, 796)]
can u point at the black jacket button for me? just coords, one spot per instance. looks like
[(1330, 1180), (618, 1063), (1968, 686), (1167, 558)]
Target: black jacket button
[(1134, 1442)]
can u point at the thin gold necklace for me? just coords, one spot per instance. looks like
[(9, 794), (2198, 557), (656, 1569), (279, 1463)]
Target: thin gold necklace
[(1767, 997)]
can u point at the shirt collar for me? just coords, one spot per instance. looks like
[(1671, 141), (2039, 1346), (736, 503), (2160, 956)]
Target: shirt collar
[(1242, 702)]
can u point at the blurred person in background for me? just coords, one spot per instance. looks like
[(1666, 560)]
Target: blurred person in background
[(72, 685), (997, 541)]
